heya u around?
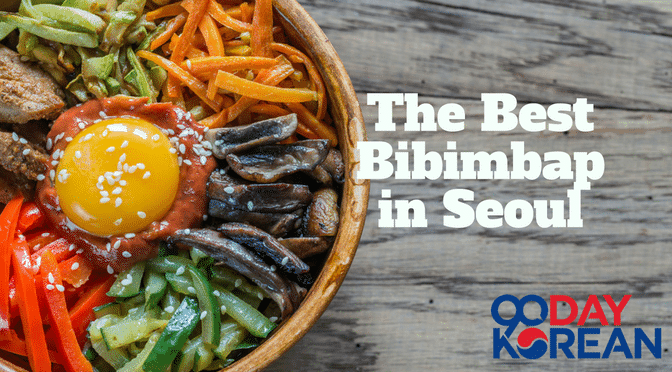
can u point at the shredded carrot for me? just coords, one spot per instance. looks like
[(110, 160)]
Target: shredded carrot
[(246, 12), (244, 87), (197, 86), (170, 10), (189, 30), (213, 39), (269, 110), (216, 11), (314, 124), (262, 31), (212, 89), (315, 77), (172, 27), (207, 67)]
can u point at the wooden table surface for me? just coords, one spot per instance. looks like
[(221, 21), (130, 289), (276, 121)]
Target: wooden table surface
[(419, 299)]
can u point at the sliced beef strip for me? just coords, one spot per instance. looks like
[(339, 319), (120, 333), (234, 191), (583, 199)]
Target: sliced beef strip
[(19, 156), (26, 91), (12, 184)]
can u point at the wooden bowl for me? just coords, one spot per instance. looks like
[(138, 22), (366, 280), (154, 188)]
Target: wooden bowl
[(344, 109), (347, 115)]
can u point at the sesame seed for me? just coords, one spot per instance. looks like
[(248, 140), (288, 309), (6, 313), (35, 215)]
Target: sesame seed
[(180, 270), (104, 193), (100, 186), (191, 290), (23, 141), (146, 175), (26, 152), (156, 137), (187, 162), (38, 261), (117, 244), (49, 144), (71, 247), (123, 182), (105, 133), (104, 200), (129, 236), (15, 136), (183, 148), (118, 222), (187, 231), (54, 162), (189, 64), (126, 282), (222, 309), (142, 214), (172, 150), (123, 145), (284, 261), (273, 319), (205, 313), (108, 246), (81, 125), (40, 177), (74, 266), (170, 309), (229, 190), (132, 169), (68, 139), (273, 268), (117, 173), (205, 217), (117, 202), (116, 191), (110, 149), (140, 166), (126, 254), (51, 278), (87, 137), (60, 288), (261, 297), (55, 155), (79, 251), (122, 158), (50, 287), (78, 154), (216, 293), (124, 167), (250, 205), (179, 160), (238, 283), (110, 270)]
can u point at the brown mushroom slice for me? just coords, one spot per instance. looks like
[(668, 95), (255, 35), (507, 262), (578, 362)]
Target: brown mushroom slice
[(322, 217), (306, 246), (276, 224), (265, 198), (237, 139), (230, 254), (266, 164), (265, 245), (334, 165)]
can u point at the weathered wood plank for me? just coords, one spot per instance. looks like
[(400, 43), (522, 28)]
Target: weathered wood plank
[(419, 299), (615, 53)]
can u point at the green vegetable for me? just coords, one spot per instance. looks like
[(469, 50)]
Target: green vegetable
[(99, 67), (72, 16), (250, 318), (141, 78), (115, 357), (113, 86), (232, 335), (128, 283), (130, 330), (111, 308), (48, 32), (181, 284), (173, 337), (138, 363), (6, 29), (155, 288), (230, 280)]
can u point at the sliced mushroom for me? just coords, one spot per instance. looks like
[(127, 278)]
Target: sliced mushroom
[(276, 224), (265, 245), (322, 217), (266, 198), (236, 139), (269, 163), (333, 165), (306, 246), (230, 254)]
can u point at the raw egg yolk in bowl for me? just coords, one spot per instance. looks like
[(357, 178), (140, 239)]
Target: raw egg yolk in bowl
[(105, 176), (122, 175)]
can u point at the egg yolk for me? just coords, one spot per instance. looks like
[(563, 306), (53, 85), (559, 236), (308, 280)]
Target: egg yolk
[(117, 176)]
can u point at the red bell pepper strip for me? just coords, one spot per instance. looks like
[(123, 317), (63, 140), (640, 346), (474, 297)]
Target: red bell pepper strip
[(61, 248), (40, 238), (31, 217), (8, 220), (26, 293), (82, 313), (16, 345), (75, 270), (66, 341)]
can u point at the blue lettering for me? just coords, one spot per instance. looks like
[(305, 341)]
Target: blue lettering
[(640, 337), (622, 344), (564, 346), (583, 343), (499, 342)]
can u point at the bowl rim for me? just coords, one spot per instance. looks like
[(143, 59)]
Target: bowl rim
[(354, 202)]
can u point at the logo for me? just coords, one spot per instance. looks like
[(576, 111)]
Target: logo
[(533, 343)]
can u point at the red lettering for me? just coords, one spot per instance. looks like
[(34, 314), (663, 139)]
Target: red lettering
[(616, 309), (574, 310), (593, 302)]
